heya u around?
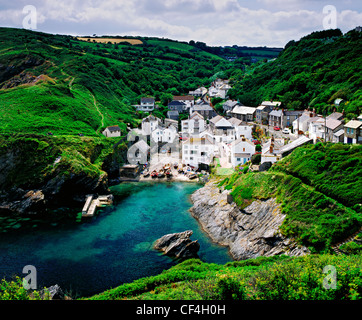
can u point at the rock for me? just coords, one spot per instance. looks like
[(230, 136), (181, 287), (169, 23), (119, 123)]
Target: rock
[(32, 202), (178, 245), (54, 292), (250, 233)]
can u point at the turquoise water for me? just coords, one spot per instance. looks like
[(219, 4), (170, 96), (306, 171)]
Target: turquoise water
[(112, 248)]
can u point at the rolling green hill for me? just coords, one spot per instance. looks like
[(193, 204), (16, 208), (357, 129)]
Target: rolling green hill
[(58, 84), (314, 71)]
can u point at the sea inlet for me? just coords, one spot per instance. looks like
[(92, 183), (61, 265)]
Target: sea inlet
[(85, 257)]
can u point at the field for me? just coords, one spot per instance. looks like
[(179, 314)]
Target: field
[(112, 40)]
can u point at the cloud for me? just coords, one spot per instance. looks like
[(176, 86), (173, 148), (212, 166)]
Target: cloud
[(216, 22)]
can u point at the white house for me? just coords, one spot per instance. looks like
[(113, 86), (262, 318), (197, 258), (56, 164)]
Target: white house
[(194, 125), (243, 113), (196, 151), (147, 105), (188, 101), (353, 132), (165, 134), (271, 150), (302, 123), (199, 92), (317, 128), (241, 129), (241, 151), (222, 130), (112, 132), (150, 124)]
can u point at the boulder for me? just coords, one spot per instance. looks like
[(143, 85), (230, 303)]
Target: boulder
[(54, 292), (178, 245)]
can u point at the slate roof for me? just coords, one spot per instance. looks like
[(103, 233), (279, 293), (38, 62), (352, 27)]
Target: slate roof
[(244, 110), (333, 124), (147, 100), (202, 107), (354, 124), (114, 128), (276, 113)]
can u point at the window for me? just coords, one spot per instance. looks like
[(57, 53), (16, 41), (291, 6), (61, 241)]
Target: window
[(238, 159), (352, 131)]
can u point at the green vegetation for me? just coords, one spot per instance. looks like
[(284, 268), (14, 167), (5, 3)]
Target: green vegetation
[(46, 158), (333, 169), (314, 71), (58, 84), (276, 278), (318, 198)]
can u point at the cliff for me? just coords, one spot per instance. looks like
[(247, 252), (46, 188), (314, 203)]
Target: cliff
[(38, 172), (249, 233)]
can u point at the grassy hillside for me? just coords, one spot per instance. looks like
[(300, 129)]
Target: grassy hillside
[(313, 71), (318, 187), (67, 86), (277, 278)]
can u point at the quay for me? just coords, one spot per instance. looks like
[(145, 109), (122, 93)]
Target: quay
[(93, 202)]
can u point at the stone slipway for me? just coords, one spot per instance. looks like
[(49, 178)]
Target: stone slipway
[(249, 233)]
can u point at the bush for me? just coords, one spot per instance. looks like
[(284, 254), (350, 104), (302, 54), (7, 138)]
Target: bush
[(230, 289)]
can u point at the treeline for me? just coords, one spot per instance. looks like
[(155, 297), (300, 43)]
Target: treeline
[(312, 72)]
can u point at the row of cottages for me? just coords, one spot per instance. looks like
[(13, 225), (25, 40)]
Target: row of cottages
[(203, 141), (283, 118), (330, 129), (263, 111)]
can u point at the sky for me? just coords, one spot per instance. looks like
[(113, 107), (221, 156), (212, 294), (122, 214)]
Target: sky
[(271, 23)]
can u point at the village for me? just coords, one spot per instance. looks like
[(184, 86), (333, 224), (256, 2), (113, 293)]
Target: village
[(242, 137)]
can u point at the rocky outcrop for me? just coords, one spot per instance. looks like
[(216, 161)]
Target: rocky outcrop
[(249, 233), (178, 245), (53, 293)]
